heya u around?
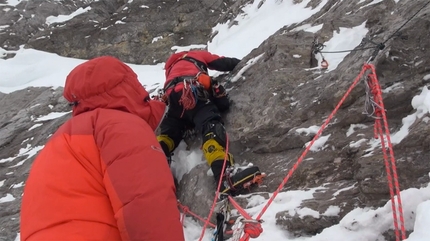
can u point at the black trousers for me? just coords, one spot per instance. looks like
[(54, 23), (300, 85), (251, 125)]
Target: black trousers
[(178, 120)]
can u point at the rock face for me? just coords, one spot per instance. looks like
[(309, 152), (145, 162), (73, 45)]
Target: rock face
[(140, 32), (272, 100), (22, 134)]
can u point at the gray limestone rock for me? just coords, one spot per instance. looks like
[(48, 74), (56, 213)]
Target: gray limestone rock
[(20, 132)]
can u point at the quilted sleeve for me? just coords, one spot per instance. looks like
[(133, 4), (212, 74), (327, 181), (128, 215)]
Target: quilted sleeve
[(138, 180), (219, 63)]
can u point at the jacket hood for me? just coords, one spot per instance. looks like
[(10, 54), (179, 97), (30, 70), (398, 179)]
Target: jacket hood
[(106, 82)]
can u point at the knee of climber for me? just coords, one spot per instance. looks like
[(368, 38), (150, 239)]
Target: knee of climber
[(215, 130), (213, 151), (166, 143)]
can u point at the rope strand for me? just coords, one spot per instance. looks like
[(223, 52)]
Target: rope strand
[(390, 166), (217, 190), (187, 100)]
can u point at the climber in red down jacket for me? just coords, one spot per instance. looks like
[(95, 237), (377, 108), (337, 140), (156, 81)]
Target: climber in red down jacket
[(103, 174)]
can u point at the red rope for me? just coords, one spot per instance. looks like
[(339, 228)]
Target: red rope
[(186, 210), (187, 99), (254, 229), (239, 209), (217, 190), (390, 167), (299, 161), (389, 178)]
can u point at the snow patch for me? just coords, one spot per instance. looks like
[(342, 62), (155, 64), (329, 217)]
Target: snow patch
[(63, 18), (248, 65), (7, 198)]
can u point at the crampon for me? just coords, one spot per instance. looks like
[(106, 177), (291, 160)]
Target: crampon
[(257, 179)]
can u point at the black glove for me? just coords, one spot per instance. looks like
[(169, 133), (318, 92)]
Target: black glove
[(218, 91)]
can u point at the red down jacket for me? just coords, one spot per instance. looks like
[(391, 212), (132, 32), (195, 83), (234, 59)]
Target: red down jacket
[(103, 175), (175, 67)]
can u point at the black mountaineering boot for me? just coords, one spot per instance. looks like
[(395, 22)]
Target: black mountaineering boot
[(240, 180), (235, 180)]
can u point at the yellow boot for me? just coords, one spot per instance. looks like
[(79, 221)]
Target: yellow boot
[(214, 154), (234, 183)]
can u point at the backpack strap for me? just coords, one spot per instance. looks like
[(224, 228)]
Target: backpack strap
[(199, 64), (177, 60)]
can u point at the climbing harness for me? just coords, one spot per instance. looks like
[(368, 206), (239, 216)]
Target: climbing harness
[(194, 87), (188, 98)]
